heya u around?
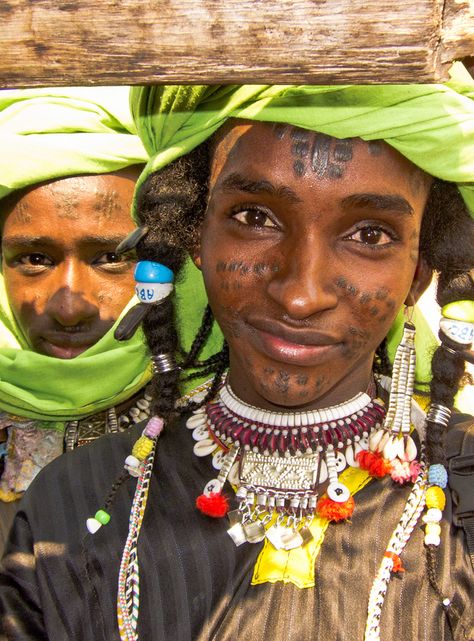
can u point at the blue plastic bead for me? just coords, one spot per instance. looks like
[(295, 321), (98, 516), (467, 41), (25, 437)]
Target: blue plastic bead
[(148, 271), (437, 475)]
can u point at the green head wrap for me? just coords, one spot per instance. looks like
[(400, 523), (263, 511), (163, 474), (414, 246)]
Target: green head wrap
[(432, 125), (47, 134)]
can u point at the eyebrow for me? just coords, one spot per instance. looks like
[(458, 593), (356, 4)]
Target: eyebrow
[(41, 241), (237, 182), (378, 202)]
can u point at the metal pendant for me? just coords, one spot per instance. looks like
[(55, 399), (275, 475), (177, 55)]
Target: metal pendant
[(254, 531), (284, 538)]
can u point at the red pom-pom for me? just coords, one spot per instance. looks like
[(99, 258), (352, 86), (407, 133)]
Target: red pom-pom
[(215, 504), (374, 463), (329, 509)]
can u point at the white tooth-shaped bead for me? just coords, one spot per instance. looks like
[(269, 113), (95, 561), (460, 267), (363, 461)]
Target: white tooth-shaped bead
[(93, 525), (363, 443), (392, 447), (351, 452), (203, 448), (196, 420), (374, 439), (410, 450), (200, 433)]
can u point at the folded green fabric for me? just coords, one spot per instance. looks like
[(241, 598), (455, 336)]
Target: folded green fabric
[(432, 125), (53, 133)]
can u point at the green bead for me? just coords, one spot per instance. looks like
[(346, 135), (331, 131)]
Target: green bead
[(102, 516), (460, 310)]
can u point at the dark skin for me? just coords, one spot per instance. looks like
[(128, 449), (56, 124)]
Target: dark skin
[(65, 284), (305, 270)]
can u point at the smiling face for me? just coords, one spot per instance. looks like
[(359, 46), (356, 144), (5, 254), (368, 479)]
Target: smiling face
[(308, 250), (65, 285)]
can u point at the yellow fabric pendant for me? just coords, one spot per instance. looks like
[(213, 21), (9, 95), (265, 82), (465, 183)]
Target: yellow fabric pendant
[(297, 566)]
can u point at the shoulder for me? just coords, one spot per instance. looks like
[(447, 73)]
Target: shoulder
[(82, 477)]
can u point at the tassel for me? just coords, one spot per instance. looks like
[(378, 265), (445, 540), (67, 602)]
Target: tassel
[(373, 463), (329, 509), (214, 504)]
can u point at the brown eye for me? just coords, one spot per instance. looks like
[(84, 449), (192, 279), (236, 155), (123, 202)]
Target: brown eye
[(254, 218), (36, 260), (371, 236)]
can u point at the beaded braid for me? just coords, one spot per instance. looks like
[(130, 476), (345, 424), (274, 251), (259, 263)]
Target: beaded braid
[(172, 204), (447, 246)]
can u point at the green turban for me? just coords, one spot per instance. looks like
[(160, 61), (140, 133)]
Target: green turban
[(53, 133), (432, 125)]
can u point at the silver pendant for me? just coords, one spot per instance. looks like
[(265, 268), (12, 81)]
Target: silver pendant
[(282, 537)]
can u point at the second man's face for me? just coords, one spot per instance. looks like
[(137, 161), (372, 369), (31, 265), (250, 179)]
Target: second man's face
[(65, 284), (309, 248)]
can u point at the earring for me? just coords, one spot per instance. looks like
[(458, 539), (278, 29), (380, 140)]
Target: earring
[(393, 449)]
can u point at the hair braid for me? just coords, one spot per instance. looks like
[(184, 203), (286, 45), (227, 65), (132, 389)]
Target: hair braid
[(447, 245), (172, 204)]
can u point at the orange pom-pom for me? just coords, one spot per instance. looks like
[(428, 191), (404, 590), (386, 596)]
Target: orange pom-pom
[(397, 564), (374, 463), (329, 509), (214, 504)]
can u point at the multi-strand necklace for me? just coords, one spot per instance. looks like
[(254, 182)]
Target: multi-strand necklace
[(278, 461)]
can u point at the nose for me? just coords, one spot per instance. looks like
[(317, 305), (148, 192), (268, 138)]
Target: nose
[(304, 284), (72, 300)]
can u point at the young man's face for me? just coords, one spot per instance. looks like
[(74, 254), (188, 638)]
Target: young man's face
[(65, 285), (309, 248)]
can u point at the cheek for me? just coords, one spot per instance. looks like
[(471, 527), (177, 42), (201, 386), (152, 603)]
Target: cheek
[(114, 294), (372, 312), (26, 299)]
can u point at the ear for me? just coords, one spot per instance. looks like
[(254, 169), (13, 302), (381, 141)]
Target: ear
[(421, 280), (195, 254)]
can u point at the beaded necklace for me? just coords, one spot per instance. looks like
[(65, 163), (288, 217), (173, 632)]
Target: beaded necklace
[(278, 460)]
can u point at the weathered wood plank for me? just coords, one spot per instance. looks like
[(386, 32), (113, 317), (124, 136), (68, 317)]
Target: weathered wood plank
[(54, 42)]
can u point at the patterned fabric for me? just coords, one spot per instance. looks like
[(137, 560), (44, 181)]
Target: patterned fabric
[(195, 585)]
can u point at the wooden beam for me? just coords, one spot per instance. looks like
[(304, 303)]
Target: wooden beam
[(90, 42)]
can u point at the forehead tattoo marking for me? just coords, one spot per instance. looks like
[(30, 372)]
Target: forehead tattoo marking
[(67, 206), (107, 203), (22, 213)]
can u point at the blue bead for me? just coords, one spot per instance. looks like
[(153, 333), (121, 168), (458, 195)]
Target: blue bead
[(437, 475), (148, 271)]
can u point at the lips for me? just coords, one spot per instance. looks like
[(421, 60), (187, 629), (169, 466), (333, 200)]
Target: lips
[(66, 346), (303, 346)]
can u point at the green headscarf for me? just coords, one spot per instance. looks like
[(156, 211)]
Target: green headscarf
[(47, 134), (432, 125)]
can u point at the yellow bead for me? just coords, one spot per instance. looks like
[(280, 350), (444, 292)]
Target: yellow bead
[(142, 448), (433, 528), (461, 310), (435, 498)]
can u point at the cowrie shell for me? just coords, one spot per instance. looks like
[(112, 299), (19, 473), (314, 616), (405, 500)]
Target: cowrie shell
[(200, 433), (203, 448), (218, 459), (197, 420)]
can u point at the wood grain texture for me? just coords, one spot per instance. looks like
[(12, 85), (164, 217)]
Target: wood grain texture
[(77, 42)]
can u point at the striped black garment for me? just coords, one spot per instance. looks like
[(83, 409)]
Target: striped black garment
[(60, 583)]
